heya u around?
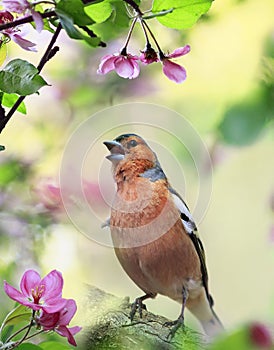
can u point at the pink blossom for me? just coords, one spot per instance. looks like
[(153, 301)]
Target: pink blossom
[(24, 7), (39, 294), (260, 335), (17, 6), (149, 55), (12, 33), (172, 70), (126, 66), (48, 193), (58, 321)]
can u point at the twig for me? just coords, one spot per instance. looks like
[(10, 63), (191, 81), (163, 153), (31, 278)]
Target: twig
[(92, 35), (49, 53), (25, 20), (133, 4), (28, 330)]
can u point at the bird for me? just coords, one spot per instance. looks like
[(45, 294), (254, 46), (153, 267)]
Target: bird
[(154, 235)]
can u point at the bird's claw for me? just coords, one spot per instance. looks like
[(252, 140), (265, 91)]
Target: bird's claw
[(175, 325), (139, 306)]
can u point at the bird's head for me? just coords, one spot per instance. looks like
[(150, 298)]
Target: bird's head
[(130, 154)]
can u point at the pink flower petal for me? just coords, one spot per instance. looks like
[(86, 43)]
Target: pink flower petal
[(25, 44), (65, 332), (48, 321), (18, 6), (74, 330), (181, 51), (52, 285), (124, 67), (38, 20), (136, 70), (67, 313), (29, 281), (107, 64), (174, 71), (14, 294), (53, 305)]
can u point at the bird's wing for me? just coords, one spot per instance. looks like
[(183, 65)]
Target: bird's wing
[(186, 217), (191, 229)]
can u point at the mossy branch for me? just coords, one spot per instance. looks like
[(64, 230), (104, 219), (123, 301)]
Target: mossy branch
[(109, 327)]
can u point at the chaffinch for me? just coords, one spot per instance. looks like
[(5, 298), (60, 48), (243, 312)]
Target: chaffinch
[(154, 235)]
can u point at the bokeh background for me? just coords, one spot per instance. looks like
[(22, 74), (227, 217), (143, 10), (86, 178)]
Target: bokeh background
[(228, 99)]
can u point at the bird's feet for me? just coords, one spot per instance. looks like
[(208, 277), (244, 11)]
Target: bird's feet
[(139, 306), (175, 325)]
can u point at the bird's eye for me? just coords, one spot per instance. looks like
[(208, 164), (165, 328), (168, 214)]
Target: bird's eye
[(132, 143)]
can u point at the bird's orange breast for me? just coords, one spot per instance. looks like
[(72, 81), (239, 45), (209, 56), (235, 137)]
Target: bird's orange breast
[(149, 238)]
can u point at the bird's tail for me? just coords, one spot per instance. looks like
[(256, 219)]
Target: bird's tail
[(201, 308)]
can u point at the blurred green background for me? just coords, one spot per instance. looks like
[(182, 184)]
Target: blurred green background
[(228, 98)]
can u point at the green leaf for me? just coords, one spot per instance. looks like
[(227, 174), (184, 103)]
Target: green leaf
[(2, 148), (11, 171), (99, 12), (243, 123), (72, 31), (28, 346), (19, 314), (53, 345), (115, 24), (237, 340), (9, 100), (3, 52), (184, 12), (20, 77), (75, 10)]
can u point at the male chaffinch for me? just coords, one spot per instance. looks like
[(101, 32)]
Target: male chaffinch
[(154, 234)]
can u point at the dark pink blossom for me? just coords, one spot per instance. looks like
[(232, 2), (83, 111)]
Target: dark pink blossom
[(126, 66), (58, 321), (13, 33), (149, 55), (260, 335), (172, 70), (24, 7), (39, 294)]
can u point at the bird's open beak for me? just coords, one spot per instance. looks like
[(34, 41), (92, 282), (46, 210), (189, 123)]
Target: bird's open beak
[(117, 151)]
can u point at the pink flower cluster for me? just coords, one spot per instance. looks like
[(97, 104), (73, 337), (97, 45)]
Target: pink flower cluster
[(126, 65), (14, 33), (44, 296), (19, 7)]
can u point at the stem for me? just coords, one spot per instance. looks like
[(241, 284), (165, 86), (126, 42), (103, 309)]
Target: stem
[(24, 20), (133, 4), (145, 33), (17, 332), (34, 334), (161, 54), (28, 330), (50, 51), (124, 49), (158, 14)]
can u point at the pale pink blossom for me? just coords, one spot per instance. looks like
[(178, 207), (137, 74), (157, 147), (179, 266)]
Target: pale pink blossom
[(58, 321), (24, 7), (126, 66), (172, 70), (39, 294), (13, 33), (47, 191)]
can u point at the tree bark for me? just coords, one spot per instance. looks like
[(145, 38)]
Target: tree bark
[(109, 327)]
